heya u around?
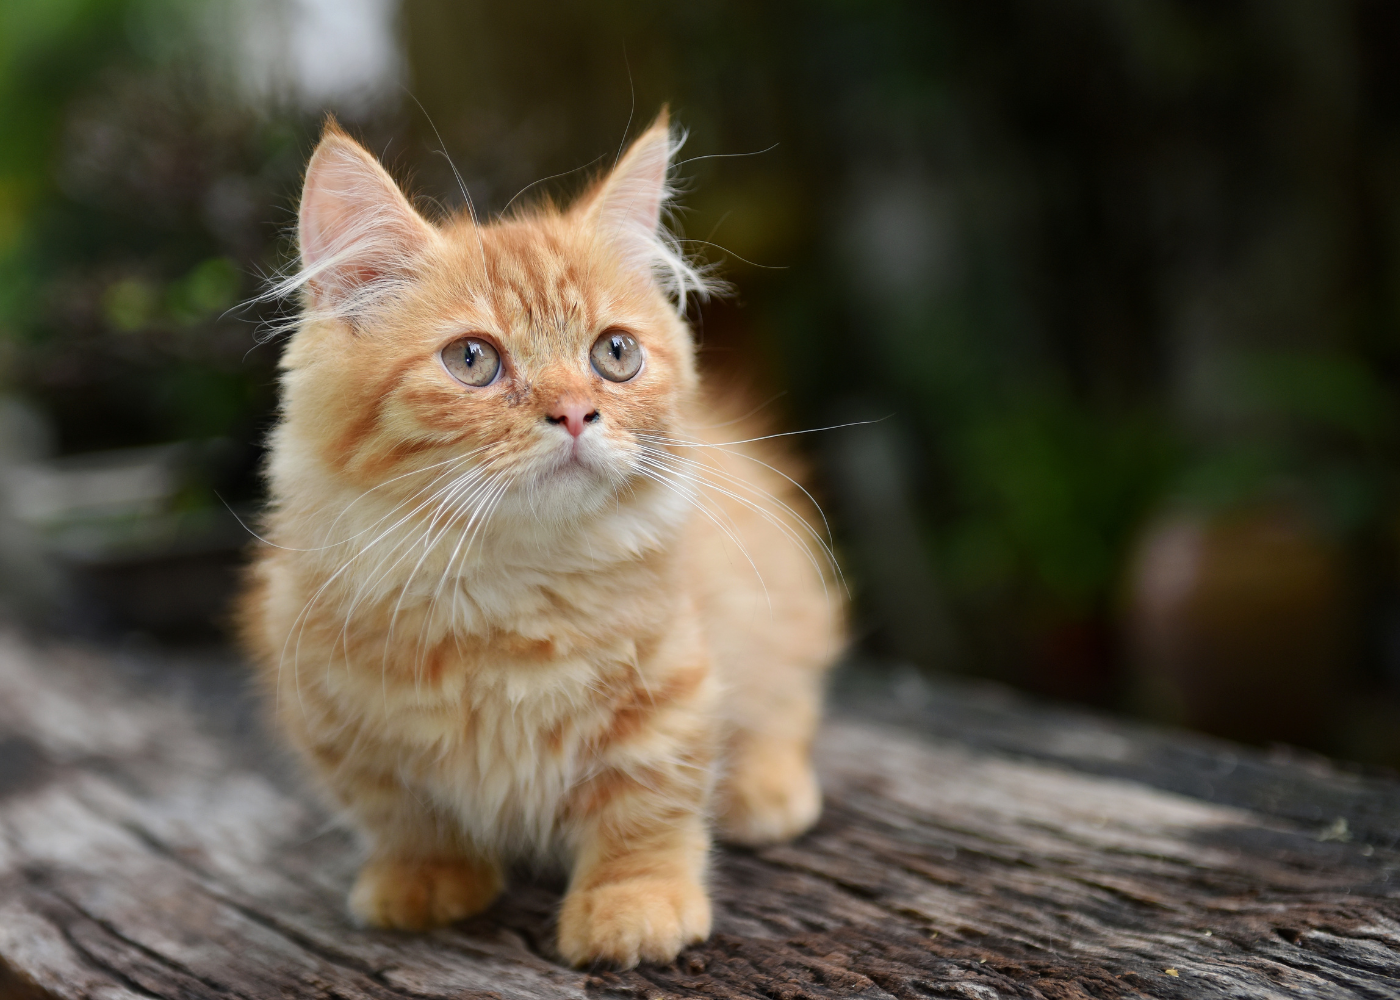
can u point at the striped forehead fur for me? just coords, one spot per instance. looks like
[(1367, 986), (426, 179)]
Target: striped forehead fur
[(357, 257)]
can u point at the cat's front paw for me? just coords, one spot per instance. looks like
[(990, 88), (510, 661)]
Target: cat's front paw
[(414, 894), (637, 920), (771, 795)]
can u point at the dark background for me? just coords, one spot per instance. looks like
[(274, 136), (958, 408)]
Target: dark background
[(1118, 279)]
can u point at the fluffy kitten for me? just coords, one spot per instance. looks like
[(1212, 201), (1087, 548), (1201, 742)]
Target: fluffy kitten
[(523, 593)]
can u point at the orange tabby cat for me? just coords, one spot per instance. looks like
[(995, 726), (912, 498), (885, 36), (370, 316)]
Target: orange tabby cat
[(523, 594)]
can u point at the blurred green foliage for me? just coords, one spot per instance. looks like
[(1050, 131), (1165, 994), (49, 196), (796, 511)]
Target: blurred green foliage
[(1095, 258), (139, 197), (1051, 493)]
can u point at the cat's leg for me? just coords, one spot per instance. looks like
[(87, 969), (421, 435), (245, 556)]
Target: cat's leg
[(769, 791), (773, 633), (421, 871), (638, 887), (640, 827), (413, 892)]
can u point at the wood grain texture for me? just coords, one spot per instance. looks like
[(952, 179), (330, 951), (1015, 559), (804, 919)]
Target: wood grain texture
[(152, 845)]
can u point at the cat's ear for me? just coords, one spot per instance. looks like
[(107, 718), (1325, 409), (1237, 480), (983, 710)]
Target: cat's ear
[(358, 234), (625, 207)]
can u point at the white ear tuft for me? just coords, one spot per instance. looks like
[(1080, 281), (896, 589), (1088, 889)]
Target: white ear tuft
[(358, 234), (629, 205), (626, 210)]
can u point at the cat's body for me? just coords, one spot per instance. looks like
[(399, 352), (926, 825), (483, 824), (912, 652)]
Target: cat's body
[(557, 614)]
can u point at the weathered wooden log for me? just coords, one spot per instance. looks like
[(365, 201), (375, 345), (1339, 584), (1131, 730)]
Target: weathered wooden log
[(153, 845)]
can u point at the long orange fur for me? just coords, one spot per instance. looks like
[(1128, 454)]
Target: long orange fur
[(493, 639)]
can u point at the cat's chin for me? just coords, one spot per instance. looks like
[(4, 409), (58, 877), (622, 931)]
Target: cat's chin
[(566, 492)]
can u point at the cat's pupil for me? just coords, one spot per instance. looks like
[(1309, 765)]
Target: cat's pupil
[(617, 348)]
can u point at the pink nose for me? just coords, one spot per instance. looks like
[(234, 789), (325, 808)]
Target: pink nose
[(573, 414)]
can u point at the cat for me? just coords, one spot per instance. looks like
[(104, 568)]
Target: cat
[(524, 591)]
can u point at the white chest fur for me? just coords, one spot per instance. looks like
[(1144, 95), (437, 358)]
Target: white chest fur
[(501, 748)]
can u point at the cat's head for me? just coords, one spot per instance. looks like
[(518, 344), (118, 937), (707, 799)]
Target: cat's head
[(530, 361)]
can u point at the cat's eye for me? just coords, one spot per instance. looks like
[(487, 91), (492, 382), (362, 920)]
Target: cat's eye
[(616, 356), (472, 361)]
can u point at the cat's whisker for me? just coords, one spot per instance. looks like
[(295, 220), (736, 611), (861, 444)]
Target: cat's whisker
[(447, 498), (356, 556), (783, 528), (480, 502), (746, 484), (469, 483), (777, 523), (660, 476), (697, 499), (456, 460), (489, 507), (465, 484), (677, 443), (699, 471), (826, 545), (483, 503), (448, 567), (472, 486), (369, 582), (702, 470), (397, 507), (752, 458), (461, 184), (505, 212), (685, 476), (363, 550)]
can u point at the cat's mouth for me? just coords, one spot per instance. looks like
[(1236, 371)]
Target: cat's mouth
[(575, 458)]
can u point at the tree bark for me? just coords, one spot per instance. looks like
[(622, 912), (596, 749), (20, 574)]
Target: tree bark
[(152, 845)]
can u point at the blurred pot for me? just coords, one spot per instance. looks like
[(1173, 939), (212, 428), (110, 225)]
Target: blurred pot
[(1238, 624)]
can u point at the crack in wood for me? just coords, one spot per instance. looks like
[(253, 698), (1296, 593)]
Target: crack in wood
[(119, 976)]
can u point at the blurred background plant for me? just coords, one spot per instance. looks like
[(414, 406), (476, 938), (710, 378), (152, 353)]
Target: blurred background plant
[(1120, 278)]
